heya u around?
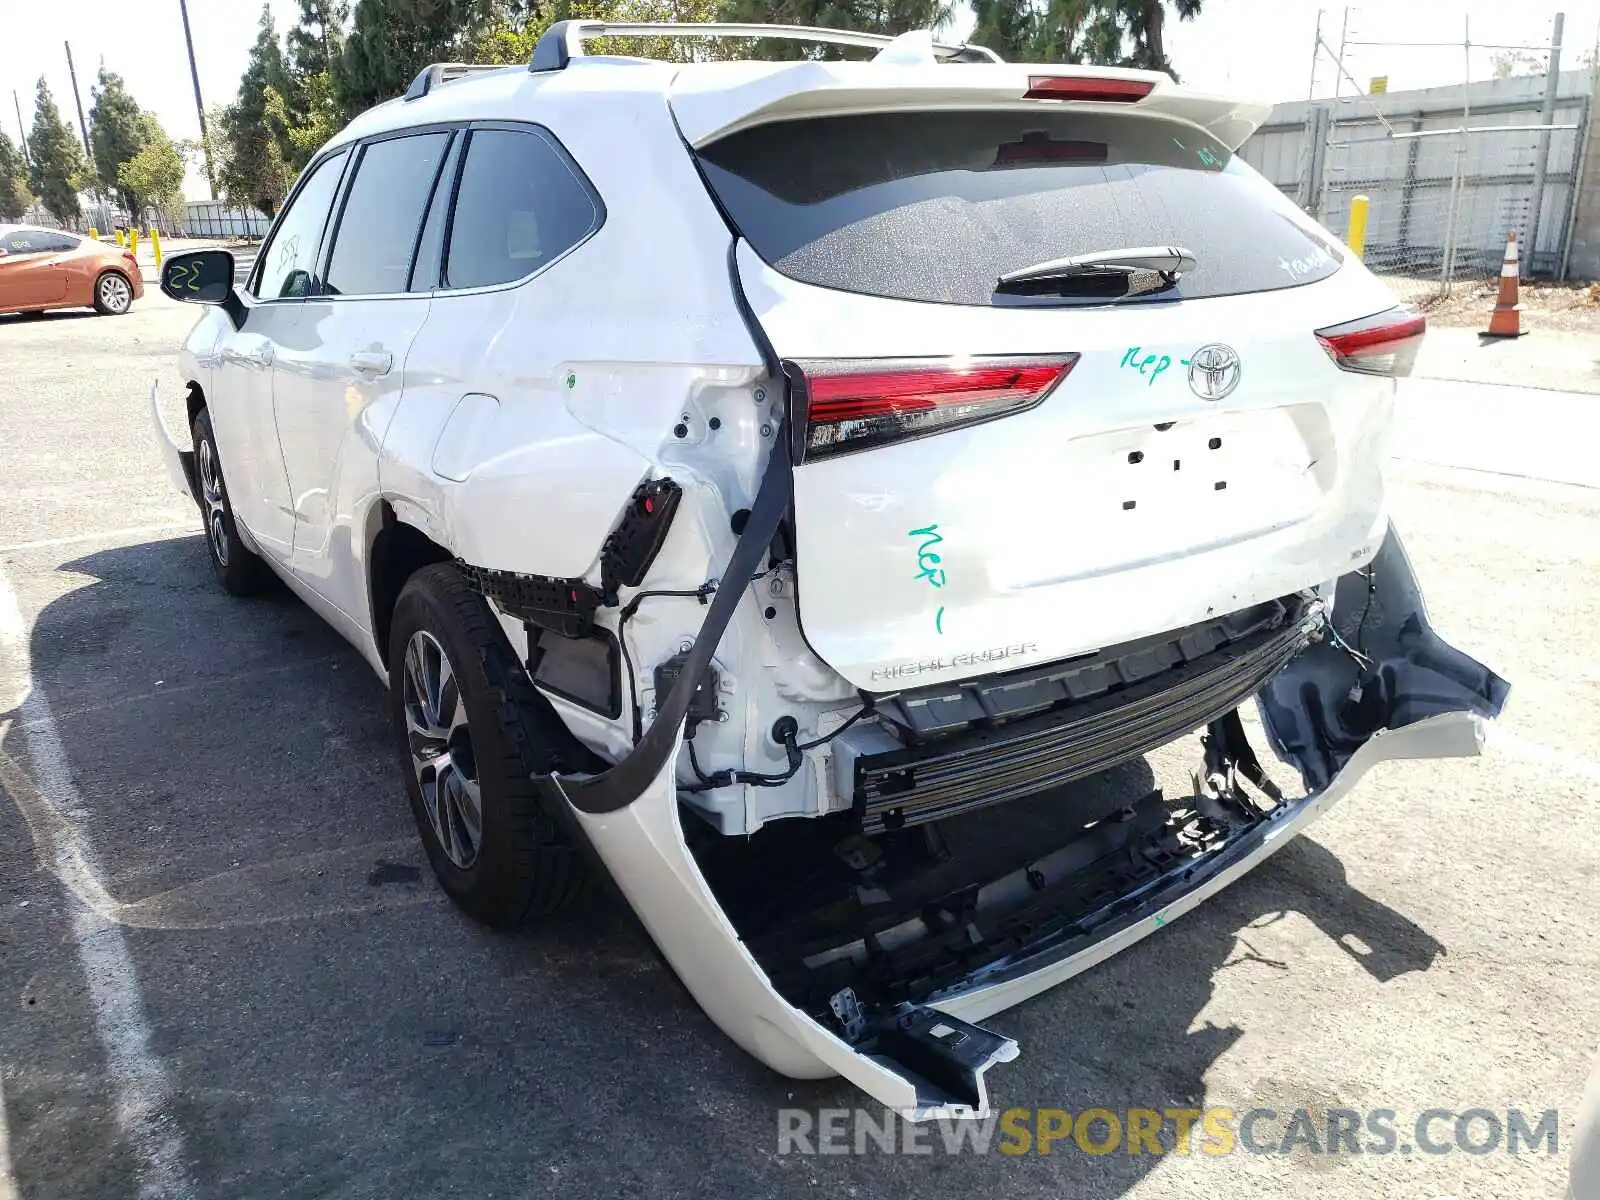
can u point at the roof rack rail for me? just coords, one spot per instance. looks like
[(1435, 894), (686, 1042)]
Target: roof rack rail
[(563, 41), (434, 74)]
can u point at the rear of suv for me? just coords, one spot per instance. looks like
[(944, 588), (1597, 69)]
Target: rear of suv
[(787, 487)]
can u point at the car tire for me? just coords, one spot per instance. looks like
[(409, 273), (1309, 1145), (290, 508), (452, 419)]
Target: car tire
[(470, 745), (239, 570), (113, 294)]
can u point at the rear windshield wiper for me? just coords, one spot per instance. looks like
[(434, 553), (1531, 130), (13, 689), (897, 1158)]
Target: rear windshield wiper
[(1103, 272)]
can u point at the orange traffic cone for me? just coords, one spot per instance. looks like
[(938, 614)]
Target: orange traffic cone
[(1507, 319)]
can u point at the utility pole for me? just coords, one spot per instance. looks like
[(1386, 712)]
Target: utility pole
[(199, 104), (83, 127), (21, 128), (1541, 161)]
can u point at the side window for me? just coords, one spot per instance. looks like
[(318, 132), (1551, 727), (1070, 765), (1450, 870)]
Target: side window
[(382, 215), (289, 259), (24, 241), (54, 243), (425, 272), (520, 205)]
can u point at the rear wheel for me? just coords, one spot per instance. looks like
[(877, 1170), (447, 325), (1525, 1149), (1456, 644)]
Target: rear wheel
[(469, 759), (113, 294), (240, 572)]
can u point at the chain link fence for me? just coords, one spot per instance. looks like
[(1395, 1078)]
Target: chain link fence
[(1449, 169)]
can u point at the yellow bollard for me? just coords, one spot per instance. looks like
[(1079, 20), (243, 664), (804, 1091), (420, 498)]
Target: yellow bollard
[(120, 242), (133, 242), (155, 245), (94, 234), (1356, 235)]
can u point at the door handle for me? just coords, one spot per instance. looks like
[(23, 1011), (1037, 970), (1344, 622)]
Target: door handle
[(370, 362)]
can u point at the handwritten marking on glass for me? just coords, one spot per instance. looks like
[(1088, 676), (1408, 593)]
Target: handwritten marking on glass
[(1295, 268)]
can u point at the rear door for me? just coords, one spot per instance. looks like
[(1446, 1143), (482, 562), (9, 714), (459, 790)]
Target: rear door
[(340, 374), (992, 475)]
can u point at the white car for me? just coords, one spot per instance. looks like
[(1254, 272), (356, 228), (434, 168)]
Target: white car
[(774, 484)]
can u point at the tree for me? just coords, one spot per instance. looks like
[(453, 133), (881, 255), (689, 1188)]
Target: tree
[(868, 16), (316, 43), (392, 40), (116, 132), (1129, 33), (306, 106), (1146, 22), (252, 164), (14, 194), (58, 165), (153, 176), (514, 28), (1506, 63)]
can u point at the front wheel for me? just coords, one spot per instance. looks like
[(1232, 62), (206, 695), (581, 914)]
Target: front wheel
[(113, 294), (240, 572), (468, 760)]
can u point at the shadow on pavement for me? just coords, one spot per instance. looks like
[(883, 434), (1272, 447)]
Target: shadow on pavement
[(53, 314), (332, 1027)]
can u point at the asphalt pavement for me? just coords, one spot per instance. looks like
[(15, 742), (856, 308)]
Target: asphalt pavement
[(228, 972)]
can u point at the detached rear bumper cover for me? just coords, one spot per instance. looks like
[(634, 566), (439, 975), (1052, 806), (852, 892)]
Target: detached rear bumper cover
[(643, 847), (1333, 712)]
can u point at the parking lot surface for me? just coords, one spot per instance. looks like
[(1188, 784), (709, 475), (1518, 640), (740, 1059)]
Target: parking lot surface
[(227, 971)]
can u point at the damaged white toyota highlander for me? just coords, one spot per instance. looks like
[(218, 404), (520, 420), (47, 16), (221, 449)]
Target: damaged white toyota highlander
[(777, 486)]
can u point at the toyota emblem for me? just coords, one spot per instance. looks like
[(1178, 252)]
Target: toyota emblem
[(1213, 371)]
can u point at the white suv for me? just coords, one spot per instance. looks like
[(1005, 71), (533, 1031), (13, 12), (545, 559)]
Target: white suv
[(774, 484)]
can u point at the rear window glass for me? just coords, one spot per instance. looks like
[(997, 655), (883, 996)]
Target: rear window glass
[(936, 206)]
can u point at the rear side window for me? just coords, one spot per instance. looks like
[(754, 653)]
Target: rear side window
[(521, 205), (37, 241), (382, 215), (936, 206)]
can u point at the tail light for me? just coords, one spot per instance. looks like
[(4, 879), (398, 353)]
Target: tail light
[(1384, 344), (1087, 87), (855, 404)]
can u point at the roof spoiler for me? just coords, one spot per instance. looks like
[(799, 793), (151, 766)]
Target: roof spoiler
[(563, 41)]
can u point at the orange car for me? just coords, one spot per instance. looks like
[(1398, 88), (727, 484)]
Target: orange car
[(48, 268)]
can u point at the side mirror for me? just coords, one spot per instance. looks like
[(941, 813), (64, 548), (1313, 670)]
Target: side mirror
[(202, 277)]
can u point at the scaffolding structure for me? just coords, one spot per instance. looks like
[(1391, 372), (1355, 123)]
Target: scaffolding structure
[(1448, 176)]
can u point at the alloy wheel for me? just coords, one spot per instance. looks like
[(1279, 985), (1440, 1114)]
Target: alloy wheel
[(115, 293), (441, 749), (211, 491)]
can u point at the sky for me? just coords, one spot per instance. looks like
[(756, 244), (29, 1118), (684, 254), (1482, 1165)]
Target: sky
[(141, 40), (1258, 48)]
